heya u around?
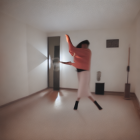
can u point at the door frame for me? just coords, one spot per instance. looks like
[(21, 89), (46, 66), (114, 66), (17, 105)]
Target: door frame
[(48, 55)]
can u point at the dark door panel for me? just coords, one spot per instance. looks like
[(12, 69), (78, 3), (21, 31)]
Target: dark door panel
[(56, 71)]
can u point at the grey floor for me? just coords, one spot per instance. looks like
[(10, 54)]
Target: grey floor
[(50, 116)]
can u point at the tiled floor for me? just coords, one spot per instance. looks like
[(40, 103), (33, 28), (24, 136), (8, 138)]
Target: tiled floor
[(50, 116)]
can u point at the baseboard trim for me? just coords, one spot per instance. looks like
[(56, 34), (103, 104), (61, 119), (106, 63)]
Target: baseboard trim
[(105, 92), (136, 103), (114, 93), (22, 98), (68, 88)]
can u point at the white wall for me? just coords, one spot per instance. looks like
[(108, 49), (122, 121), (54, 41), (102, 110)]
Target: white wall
[(19, 46), (112, 62), (136, 57), (132, 57), (37, 59), (13, 56)]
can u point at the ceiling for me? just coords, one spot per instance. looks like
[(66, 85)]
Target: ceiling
[(69, 15)]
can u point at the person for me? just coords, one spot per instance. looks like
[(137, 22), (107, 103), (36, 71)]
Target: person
[(82, 58)]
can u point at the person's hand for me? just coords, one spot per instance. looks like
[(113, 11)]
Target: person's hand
[(67, 37), (68, 63)]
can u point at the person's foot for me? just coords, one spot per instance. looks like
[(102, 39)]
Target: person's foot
[(99, 107), (76, 105)]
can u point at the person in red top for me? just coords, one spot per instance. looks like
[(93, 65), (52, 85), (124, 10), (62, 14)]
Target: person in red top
[(82, 59)]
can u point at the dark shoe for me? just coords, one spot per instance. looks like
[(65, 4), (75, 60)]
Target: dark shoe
[(76, 105), (99, 107)]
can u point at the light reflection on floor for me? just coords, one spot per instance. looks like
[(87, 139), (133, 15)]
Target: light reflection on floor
[(57, 102), (55, 97)]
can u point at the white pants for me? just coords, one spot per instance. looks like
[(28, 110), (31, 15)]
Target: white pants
[(83, 86)]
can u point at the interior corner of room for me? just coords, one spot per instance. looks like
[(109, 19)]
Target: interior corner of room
[(23, 55)]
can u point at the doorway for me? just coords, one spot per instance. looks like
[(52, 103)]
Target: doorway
[(53, 65)]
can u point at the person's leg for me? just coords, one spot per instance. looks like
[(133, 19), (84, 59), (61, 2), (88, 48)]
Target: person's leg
[(99, 107), (95, 102), (89, 93), (78, 98), (91, 98), (76, 103)]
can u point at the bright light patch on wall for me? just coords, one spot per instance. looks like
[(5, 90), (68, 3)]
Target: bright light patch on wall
[(43, 51), (58, 101), (41, 66), (44, 64), (63, 57), (49, 62)]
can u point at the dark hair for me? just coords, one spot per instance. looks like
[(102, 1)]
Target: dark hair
[(83, 42)]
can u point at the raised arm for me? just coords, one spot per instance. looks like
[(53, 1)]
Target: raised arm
[(71, 47)]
